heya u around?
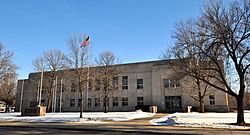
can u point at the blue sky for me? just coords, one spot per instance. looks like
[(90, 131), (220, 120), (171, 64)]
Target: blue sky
[(135, 30)]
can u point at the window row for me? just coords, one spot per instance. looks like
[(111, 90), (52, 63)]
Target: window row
[(115, 82), (97, 102), (171, 83)]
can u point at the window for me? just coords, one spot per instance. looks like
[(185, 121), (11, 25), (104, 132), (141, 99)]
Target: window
[(124, 82), (139, 83), (97, 85), (115, 83), (139, 100), (171, 83), (124, 101), (72, 102), (89, 102), (115, 101), (177, 83), (59, 87), (79, 102), (90, 85), (97, 102), (73, 87), (43, 90), (211, 99), (166, 83)]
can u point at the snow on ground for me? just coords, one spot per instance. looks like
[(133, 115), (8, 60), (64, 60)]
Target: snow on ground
[(90, 117), (212, 120)]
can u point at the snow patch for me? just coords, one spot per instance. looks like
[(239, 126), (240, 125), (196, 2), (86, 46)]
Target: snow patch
[(89, 117), (211, 120)]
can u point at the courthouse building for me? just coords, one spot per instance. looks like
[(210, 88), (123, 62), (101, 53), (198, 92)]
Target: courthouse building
[(140, 83)]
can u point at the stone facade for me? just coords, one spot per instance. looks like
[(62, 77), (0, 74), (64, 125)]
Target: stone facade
[(147, 83)]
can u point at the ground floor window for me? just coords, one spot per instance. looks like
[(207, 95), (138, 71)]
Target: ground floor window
[(72, 102), (89, 102), (173, 103), (140, 101), (79, 102), (115, 101), (124, 101), (211, 99), (97, 102)]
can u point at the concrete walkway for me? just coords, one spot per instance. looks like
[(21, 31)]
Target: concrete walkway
[(141, 126)]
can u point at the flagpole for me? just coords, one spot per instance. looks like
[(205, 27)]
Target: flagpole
[(38, 91), (41, 86), (55, 96), (21, 99), (84, 44), (88, 76), (61, 97)]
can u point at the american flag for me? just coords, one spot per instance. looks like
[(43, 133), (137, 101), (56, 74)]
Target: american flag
[(85, 41)]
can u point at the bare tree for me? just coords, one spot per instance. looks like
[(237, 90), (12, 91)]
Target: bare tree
[(77, 60), (107, 70), (8, 76), (8, 89), (51, 61), (6, 62), (198, 90), (223, 33), (190, 61)]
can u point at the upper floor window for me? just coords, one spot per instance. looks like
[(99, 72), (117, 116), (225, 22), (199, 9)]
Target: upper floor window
[(211, 99), (60, 87), (73, 87), (124, 82), (171, 83), (139, 83), (89, 85), (98, 85), (115, 82)]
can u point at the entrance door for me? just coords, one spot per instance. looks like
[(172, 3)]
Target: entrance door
[(173, 103)]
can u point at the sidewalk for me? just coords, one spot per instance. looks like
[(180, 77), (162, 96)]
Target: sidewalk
[(133, 126)]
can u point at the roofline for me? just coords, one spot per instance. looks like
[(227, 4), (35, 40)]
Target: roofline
[(123, 64)]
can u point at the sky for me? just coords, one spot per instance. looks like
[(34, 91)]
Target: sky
[(134, 30)]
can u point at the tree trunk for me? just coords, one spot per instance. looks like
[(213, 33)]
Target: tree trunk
[(240, 111), (202, 109), (49, 105), (106, 100), (6, 107)]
